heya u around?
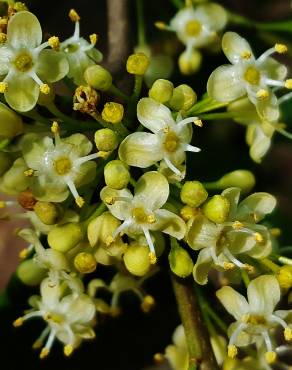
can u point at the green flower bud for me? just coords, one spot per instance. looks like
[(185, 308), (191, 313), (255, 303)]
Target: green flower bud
[(161, 91), (47, 212), (116, 174), (217, 209), (180, 262), (98, 77), (5, 162), (284, 277), (30, 273), (85, 262), (189, 64), (106, 140), (136, 259), (193, 193), (14, 180), (137, 64), (62, 238), (113, 112), (183, 98), (10, 123), (101, 229), (242, 179)]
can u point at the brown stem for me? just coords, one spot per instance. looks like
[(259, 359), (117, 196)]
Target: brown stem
[(201, 356)]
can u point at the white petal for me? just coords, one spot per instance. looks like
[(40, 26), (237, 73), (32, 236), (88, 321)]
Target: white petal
[(203, 266), (120, 208), (233, 302), (258, 141), (234, 45), (212, 15), (232, 194), (50, 294), (256, 206), (78, 309), (153, 115), (5, 56), (169, 223)]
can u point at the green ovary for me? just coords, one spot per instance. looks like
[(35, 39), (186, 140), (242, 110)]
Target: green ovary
[(252, 75), (193, 28), (62, 165), (23, 62), (171, 142)]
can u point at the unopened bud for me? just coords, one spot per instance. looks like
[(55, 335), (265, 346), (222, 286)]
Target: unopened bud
[(116, 175), (217, 209), (106, 140), (136, 259), (62, 238), (98, 77), (284, 277), (183, 98), (47, 212), (30, 273), (242, 179), (113, 112), (85, 262), (10, 123), (101, 229), (180, 261), (193, 193), (137, 64), (85, 99), (189, 63), (161, 91)]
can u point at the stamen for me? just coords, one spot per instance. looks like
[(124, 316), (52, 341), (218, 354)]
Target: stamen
[(285, 97), (187, 120), (3, 38), (231, 258), (191, 148), (246, 54), (172, 167), (54, 42), (87, 158), (270, 357), (232, 351), (281, 48), (18, 322), (76, 34), (152, 254), (93, 39), (265, 55), (122, 227), (46, 350), (147, 303), (45, 89), (262, 94), (235, 334), (162, 26), (73, 15), (288, 84), (3, 87), (68, 350), (78, 199), (25, 252), (228, 266), (288, 333), (39, 342), (29, 172)]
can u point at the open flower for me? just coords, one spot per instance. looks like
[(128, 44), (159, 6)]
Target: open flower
[(169, 140), (69, 317), (256, 317), (141, 212), (240, 234), (57, 166), (26, 66), (248, 75)]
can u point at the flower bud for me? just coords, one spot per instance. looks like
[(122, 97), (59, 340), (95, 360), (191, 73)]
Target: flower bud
[(98, 77), (113, 112), (193, 193), (161, 91), (62, 238), (217, 209), (189, 63), (242, 179), (14, 181), (284, 277), (106, 140), (116, 174), (188, 212), (47, 212), (180, 262), (85, 262), (101, 229), (10, 123), (30, 273), (5, 162), (137, 64), (136, 259), (183, 98)]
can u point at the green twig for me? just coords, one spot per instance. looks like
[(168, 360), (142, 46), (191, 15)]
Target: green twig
[(119, 93), (141, 23)]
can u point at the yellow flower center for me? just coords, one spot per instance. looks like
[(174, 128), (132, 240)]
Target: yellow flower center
[(255, 320), (252, 75), (171, 141), (56, 318), (23, 62), (62, 165), (193, 28), (142, 217)]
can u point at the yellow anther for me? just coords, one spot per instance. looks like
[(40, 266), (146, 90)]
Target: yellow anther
[(160, 25), (3, 21), (198, 122), (151, 219), (80, 202), (18, 322), (3, 87), (93, 38), (68, 350), (158, 358), (246, 55), (109, 200), (288, 334), (44, 353), (237, 225), (166, 130), (248, 268), (275, 232), (147, 304), (228, 266), (45, 89), (109, 240), (37, 344), (288, 83), (188, 212), (281, 48), (262, 94), (23, 253), (2, 204), (29, 172), (270, 357), (258, 237), (232, 351), (152, 258), (3, 38), (55, 128), (19, 6), (74, 16), (103, 154), (48, 316), (54, 42)]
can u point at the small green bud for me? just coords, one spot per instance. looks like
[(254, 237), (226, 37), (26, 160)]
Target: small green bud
[(284, 277), (136, 259), (242, 179), (30, 273), (85, 262), (217, 209), (98, 77), (161, 91), (183, 98), (14, 181), (189, 64), (116, 174), (62, 238), (112, 112), (101, 229), (106, 140), (180, 261), (5, 162), (47, 212), (193, 193), (10, 123), (137, 64)]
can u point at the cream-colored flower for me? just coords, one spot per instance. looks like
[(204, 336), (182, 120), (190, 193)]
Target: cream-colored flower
[(169, 140)]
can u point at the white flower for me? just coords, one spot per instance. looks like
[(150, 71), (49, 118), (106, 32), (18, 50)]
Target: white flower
[(69, 317), (247, 75), (169, 140), (256, 317), (177, 353), (142, 212), (25, 65)]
